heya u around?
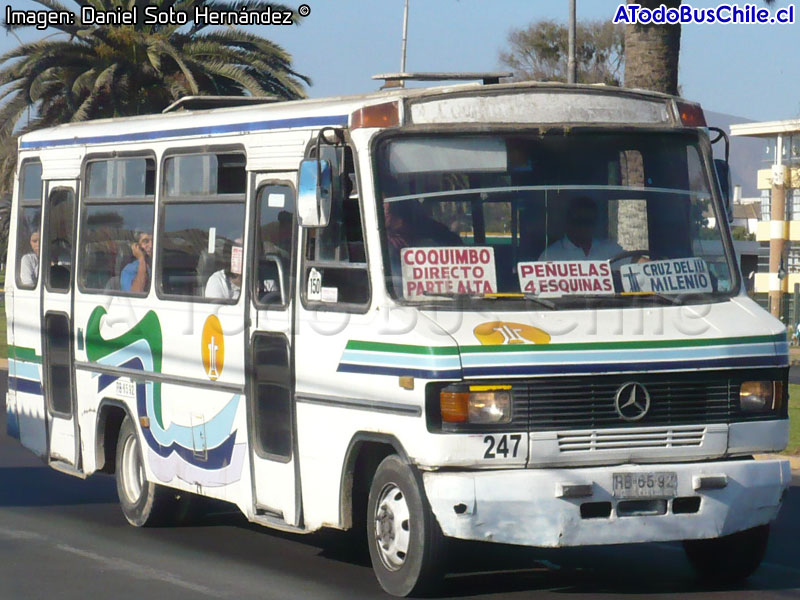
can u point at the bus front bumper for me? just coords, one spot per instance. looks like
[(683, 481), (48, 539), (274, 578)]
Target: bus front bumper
[(576, 507)]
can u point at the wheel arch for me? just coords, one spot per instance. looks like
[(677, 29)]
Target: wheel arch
[(110, 415), (364, 453)]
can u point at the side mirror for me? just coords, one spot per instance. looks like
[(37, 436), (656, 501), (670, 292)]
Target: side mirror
[(724, 178), (314, 193)]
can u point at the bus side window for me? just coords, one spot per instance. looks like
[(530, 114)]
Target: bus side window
[(28, 225), (118, 215), (202, 229), (337, 252), (275, 243)]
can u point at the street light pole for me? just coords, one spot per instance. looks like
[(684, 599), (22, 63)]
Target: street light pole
[(572, 65), (405, 40)]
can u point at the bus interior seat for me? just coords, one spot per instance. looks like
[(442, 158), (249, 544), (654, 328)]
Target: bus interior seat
[(207, 265), (113, 284)]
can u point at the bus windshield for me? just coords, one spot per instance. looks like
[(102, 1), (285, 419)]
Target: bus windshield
[(576, 216)]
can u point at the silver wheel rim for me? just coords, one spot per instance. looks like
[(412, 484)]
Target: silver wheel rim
[(132, 470), (392, 527)]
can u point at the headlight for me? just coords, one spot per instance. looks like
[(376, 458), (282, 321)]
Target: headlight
[(476, 404), (760, 396)]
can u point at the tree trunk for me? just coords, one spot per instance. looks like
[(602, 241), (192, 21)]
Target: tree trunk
[(652, 52), (651, 63)]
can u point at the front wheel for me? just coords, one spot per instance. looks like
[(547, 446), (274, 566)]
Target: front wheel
[(143, 503), (731, 558), (405, 541)]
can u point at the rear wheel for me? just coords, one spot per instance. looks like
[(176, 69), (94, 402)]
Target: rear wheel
[(143, 503), (405, 541), (730, 558)]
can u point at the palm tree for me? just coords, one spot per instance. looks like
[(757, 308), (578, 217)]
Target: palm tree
[(651, 62), (94, 71)]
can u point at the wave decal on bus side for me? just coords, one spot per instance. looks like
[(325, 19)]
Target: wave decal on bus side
[(24, 376), (24, 370), (565, 358), (172, 451)]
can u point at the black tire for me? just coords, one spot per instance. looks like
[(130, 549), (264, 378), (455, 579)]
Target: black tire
[(144, 504), (731, 558), (419, 569)]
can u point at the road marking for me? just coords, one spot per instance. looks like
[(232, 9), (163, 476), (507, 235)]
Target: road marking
[(116, 564), (139, 571)]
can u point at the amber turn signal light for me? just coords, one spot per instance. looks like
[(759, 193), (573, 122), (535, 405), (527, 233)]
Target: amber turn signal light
[(455, 407), (377, 115)]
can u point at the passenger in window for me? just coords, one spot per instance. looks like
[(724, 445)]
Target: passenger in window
[(29, 265), (135, 276), (579, 242), (226, 284)]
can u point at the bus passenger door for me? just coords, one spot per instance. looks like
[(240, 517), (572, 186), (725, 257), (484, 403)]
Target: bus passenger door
[(270, 370), (57, 272)]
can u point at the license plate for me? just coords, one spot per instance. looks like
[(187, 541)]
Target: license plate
[(126, 388), (660, 484)]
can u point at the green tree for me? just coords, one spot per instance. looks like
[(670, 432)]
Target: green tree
[(95, 71), (539, 52)]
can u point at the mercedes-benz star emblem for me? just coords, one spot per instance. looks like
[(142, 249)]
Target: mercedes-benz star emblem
[(632, 401)]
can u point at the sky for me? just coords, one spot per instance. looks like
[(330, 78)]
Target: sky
[(751, 71)]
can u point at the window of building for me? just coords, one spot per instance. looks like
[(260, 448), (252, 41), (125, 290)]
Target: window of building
[(766, 206), (202, 229), (28, 225), (334, 260), (117, 226)]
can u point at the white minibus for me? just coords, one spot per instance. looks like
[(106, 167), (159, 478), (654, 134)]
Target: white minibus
[(500, 312)]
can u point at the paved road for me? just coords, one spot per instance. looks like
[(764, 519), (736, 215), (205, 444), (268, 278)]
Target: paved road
[(61, 537)]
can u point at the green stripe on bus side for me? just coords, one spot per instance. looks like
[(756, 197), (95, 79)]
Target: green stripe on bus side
[(401, 348), (26, 354), (645, 344)]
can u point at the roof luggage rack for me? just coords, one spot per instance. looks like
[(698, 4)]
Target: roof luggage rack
[(397, 79), (209, 102)]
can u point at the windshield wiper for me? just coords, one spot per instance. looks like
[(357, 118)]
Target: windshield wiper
[(548, 304), (671, 299), (457, 296)]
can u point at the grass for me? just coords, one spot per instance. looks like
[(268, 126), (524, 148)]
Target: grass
[(794, 420), (3, 338)]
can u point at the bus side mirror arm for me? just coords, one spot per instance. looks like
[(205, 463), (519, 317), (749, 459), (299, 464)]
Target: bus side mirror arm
[(723, 171)]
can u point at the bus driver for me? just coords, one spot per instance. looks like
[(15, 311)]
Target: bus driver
[(578, 242)]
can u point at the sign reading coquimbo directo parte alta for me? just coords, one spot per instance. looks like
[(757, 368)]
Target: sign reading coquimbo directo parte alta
[(448, 271)]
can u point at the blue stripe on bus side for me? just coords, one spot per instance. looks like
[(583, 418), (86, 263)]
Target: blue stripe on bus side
[(568, 369), (385, 370), (12, 425), (322, 121), (25, 385)]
